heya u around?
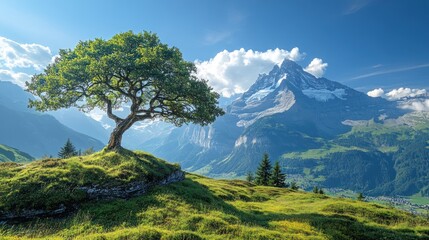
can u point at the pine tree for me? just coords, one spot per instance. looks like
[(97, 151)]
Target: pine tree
[(263, 174), (294, 186), (250, 177), (315, 189), (68, 150), (321, 191), (360, 197), (277, 177)]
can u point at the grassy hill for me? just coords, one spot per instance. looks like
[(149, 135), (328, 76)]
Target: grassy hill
[(196, 208), (8, 154), (50, 183)]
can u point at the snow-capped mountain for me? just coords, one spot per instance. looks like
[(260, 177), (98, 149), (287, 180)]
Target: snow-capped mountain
[(284, 110)]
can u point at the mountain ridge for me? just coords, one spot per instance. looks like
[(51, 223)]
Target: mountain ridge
[(33, 132), (288, 100)]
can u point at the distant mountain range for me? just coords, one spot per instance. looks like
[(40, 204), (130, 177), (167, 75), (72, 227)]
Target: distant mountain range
[(291, 115), (284, 110), (32, 132)]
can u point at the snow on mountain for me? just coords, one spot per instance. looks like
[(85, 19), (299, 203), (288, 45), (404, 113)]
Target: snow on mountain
[(284, 101), (324, 95), (287, 109), (276, 92), (259, 95)]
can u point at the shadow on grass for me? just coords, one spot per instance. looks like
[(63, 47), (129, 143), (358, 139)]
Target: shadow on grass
[(168, 203)]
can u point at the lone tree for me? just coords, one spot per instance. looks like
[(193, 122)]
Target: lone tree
[(68, 150), (263, 174), (277, 177), (133, 69)]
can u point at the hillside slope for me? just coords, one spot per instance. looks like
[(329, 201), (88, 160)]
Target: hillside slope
[(33, 132), (203, 208), (39, 134), (386, 158), (8, 154)]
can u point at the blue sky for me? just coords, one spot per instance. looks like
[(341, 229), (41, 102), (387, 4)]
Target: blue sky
[(367, 44)]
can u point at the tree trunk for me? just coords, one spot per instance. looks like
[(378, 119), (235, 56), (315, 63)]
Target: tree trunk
[(116, 136)]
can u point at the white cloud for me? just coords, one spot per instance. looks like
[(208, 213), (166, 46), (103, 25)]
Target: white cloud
[(234, 72), (96, 114), (18, 78), (378, 92), (416, 104), (317, 67), (23, 55), (400, 93), (15, 56), (414, 99)]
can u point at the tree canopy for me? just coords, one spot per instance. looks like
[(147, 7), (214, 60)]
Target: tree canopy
[(130, 69)]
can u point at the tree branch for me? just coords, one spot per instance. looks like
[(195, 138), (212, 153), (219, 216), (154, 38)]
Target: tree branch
[(110, 113)]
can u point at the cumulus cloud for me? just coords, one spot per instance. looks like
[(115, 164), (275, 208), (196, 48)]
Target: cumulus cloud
[(317, 67), (14, 57), (378, 92), (234, 72), (408, 98), (416, 104), (96, 114), (23, 55), (18, 78), (398, 94), (401, 93)]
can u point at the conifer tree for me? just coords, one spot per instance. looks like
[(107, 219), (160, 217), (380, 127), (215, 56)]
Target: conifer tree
[(360, 197), (250, 177), (263, 174), (294, 186), (68, 150), (321, 191), (315, 189), (277, 177)]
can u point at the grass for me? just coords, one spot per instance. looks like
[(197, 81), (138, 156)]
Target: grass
[(418, 199), (321, 152), (9, 154), (204, 208), (48, 183)]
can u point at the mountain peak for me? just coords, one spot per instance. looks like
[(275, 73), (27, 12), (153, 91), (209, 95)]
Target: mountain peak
[(288, 64)]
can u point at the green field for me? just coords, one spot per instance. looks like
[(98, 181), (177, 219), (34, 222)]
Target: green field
[(204, 208), (321, 152)]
